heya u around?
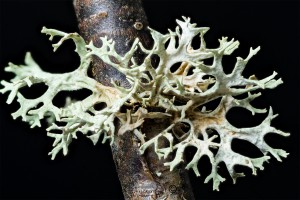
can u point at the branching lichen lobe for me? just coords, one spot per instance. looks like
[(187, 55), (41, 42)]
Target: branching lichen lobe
[(153, 93)]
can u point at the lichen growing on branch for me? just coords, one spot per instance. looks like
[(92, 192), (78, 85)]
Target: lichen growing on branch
[(156, 92)]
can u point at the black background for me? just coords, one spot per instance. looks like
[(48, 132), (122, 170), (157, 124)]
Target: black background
[(88, 172)]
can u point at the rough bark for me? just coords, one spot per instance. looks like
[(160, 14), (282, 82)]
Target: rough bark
[(123, 21)]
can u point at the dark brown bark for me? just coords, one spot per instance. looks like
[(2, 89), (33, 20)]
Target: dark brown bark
[(120, 20), (123, 21)]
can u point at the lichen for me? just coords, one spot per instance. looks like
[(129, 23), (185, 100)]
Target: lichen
[(192, 84)]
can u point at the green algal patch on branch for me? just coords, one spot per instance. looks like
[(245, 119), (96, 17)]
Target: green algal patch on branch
[(193, 84)]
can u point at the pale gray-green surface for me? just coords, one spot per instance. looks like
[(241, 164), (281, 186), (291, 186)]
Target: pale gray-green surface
[(153, 87)]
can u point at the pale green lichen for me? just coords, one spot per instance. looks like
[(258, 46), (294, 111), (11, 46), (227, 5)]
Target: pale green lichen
[(153, 87)]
